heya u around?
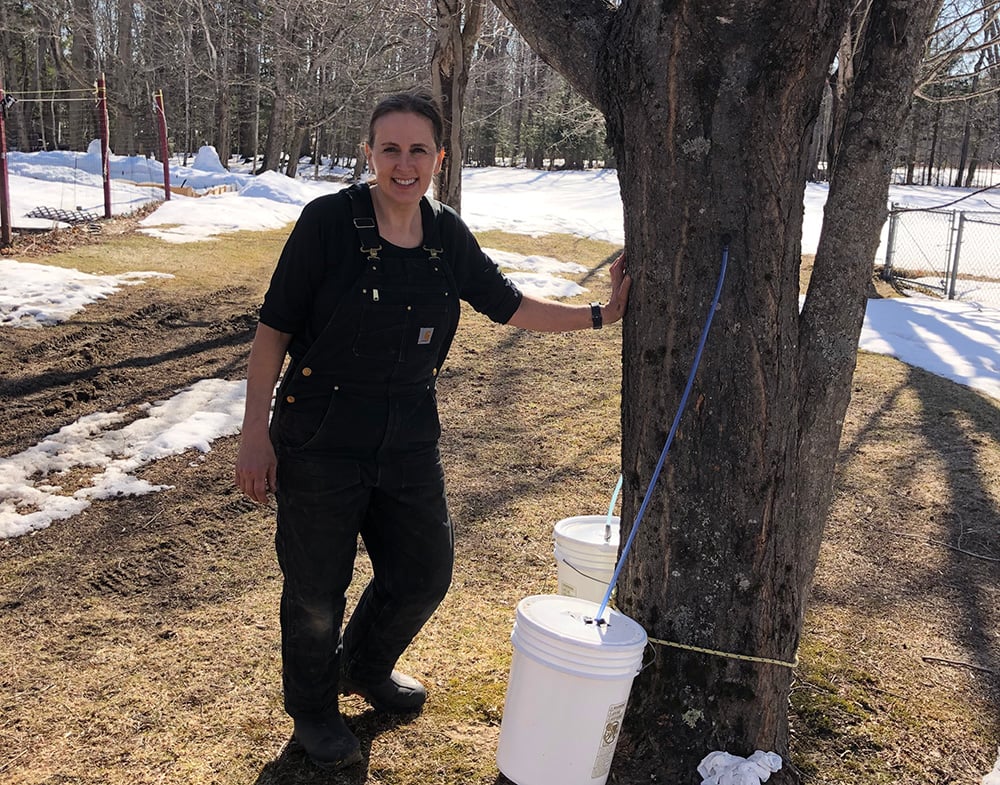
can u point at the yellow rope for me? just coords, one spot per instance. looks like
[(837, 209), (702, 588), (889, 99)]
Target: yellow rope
[(730, 655)]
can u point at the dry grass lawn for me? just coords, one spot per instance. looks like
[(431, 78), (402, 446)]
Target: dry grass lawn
[(140, 638)]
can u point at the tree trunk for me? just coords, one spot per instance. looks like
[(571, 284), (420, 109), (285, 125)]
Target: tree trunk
[(963, 149), (296, 141), (123, 122), (450, 76), (967, 109), (842, 79), (709, 113), (249, 94), (974, 158), (932, 152), (37, 87), (221, 61), (223, 124), (81, 74), (819, 141), (911, 152)]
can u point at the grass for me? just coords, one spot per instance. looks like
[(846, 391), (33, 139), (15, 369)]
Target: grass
[(239, 259), (141, 640)]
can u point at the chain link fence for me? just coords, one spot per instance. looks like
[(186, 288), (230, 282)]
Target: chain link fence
[(954, 253)]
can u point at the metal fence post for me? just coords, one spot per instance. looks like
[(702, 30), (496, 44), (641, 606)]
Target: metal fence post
[(890, 242), (958, 253)]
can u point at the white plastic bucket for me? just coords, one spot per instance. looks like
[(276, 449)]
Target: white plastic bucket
[(585, 561), (569, 685)]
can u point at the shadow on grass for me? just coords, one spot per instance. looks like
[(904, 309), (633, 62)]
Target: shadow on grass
[(960, 425), (292, 767), (916, 530)]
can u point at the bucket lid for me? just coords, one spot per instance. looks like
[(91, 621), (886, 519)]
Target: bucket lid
[(590, 530), (566, 618)]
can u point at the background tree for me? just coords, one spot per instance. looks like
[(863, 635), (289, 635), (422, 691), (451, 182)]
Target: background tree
[(709, 112), (79, 73), (488, 93), (458, 26), (952, 128)]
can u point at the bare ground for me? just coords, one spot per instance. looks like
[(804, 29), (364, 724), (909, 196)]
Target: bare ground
[(140, 639)]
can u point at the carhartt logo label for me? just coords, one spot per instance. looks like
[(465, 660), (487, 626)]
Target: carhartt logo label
[(426, 333)]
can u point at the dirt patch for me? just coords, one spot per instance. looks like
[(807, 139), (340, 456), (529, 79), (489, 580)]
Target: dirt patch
[(140, 637)]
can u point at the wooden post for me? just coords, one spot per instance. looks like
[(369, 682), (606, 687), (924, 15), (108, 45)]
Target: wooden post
[(161, 121), (102, 116)]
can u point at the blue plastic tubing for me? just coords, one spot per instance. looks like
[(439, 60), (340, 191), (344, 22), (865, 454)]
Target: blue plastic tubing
[(670, 436), (611, 507)]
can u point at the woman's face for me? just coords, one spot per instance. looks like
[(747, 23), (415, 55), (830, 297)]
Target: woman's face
[(404, 157)]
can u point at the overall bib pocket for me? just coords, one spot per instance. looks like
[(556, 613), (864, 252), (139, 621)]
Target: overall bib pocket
[(404, 314)]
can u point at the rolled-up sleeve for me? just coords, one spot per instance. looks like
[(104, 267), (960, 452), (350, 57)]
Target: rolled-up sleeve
[(481, 283), (300, 270)]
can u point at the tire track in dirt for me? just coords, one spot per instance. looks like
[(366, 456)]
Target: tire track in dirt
[(141, 345)]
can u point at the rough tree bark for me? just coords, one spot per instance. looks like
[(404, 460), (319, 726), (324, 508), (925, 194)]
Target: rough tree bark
[(709, 112), (123, 87), (449, 77), (81, 73)]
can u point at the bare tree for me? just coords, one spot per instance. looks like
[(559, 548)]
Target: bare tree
[(79, 73), (458, 26), (709, 109)]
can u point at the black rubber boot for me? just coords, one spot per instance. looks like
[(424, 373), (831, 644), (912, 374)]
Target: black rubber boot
[(399, 694), (329, 744)]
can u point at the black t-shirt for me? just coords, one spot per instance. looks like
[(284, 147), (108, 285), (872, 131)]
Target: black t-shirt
[(321, 260)]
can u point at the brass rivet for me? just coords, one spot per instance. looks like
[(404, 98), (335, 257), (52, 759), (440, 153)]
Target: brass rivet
[(290, 399), (307, 371)]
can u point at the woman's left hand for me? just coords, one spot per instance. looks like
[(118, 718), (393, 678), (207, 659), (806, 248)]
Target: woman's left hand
[(621, 282)]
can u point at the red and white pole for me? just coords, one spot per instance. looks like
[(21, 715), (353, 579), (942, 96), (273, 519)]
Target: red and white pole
[(5, 232), (161, 120), (102, 116)]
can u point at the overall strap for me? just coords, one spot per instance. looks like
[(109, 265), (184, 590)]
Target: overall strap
[(363, 212), (430, 210)]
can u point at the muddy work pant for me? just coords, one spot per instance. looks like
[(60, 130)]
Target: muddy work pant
[(399, 510)]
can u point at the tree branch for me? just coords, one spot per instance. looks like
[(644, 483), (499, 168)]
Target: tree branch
[(568, 35)]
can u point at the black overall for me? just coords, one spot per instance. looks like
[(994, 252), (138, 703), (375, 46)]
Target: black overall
[(356, 429)]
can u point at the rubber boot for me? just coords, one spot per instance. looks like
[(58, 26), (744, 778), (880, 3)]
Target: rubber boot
[(399, 694), (328, 743)]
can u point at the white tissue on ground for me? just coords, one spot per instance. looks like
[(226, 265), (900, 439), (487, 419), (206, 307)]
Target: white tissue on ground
[(721, 768), (993, 777)]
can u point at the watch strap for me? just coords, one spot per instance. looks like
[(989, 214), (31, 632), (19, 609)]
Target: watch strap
[(595, 316)]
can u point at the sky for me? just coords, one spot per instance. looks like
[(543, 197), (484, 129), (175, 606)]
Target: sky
[(958, 340)]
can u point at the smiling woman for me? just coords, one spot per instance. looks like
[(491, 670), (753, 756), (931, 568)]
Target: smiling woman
[(365, 300), (404, 154)]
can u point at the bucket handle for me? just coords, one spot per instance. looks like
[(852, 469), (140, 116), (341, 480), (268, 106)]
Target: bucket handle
[(652, 648), (581, 572)]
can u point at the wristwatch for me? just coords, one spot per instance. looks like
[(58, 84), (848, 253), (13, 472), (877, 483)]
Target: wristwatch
[(595, 316)]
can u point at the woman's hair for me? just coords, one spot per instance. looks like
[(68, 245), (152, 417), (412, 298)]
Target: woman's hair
[(418, 101)]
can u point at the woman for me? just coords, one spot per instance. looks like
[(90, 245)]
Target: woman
[(365, 301)]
